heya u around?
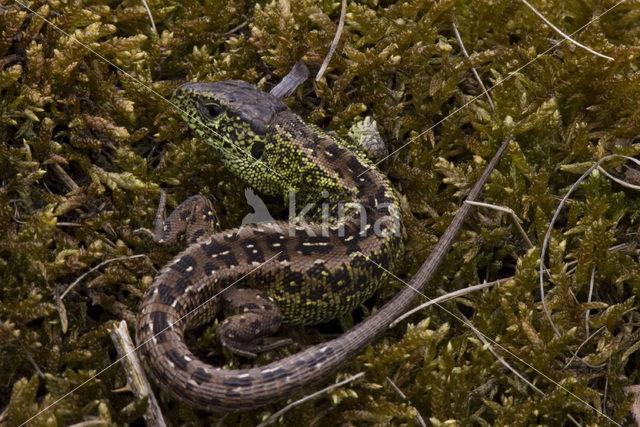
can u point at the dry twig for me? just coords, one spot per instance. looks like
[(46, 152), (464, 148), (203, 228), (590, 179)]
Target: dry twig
[(153, 24), (473, 69), (135, 374), (334, 43), (565, 36)]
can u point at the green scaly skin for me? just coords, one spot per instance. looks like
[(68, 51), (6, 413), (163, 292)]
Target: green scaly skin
[(313, 274)]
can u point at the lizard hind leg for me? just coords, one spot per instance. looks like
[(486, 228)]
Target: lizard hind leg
[(251, 316), (365, 135)]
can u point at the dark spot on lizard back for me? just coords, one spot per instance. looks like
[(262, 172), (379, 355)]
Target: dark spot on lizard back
[(178, 361), (159, 319), (238, 381), (201, 376), (185, 265)]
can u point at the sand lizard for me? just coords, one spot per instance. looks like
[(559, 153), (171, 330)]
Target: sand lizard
[(293, 275)]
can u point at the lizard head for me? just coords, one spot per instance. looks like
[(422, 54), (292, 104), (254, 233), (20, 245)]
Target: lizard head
[(234, 118), (244, 126), (231, 116)]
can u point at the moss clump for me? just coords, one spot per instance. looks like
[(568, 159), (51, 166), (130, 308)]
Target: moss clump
[(85, 146)]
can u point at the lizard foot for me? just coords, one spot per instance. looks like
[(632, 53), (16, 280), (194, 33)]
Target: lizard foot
[(251, 316), (194, 219)]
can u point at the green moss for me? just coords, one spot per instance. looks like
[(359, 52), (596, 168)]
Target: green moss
[(84, 149)]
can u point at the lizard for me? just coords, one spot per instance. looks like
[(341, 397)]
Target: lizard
[(262, 276)]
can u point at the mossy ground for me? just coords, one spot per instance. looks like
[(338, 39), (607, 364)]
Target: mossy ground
[(84, 150)]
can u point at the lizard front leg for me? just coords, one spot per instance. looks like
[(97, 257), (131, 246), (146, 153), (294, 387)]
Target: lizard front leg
[(193, 219)]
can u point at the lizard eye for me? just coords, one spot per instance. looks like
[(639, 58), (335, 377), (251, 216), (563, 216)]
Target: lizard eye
[(257, 149), (211, 111)]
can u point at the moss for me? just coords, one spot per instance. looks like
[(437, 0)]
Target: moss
[(85, 146)]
